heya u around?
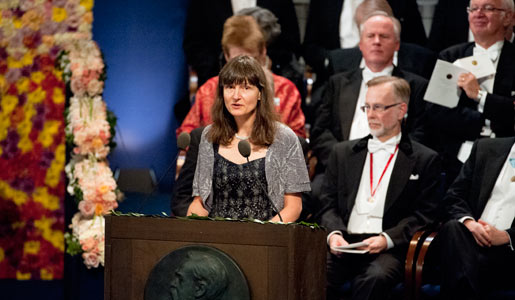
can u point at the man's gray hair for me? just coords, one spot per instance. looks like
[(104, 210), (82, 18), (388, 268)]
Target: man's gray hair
[(401, 88), (395, 22), (267, 21)]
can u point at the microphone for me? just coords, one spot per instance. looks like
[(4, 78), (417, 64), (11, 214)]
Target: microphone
[(183, 141), (244, 149)]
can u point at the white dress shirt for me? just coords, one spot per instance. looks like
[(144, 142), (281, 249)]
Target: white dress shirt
[(366, 216), (349, 31), (500, 208), (359, 127), (486, 85), (238, 5)]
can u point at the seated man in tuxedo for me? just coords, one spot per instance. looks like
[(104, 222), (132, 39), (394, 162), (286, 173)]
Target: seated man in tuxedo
[(339, 117), (477, 244), (485, 108), (379, 190), (410, 57)]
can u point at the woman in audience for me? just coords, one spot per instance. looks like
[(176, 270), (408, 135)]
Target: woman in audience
[(267, 184), (242, 35)]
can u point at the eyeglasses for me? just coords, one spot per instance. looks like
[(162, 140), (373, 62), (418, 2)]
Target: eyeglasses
[(485, 9), (377, 107)]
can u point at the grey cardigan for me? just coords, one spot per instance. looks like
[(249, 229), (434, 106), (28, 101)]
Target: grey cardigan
[(285, 168)]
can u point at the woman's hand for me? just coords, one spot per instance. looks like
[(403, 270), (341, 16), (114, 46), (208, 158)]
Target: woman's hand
[(197, 207), (292, 208)]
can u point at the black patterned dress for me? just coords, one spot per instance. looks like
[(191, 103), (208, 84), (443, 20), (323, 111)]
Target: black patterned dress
[(239, 190)]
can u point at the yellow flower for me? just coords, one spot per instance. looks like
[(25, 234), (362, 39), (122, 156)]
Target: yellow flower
[(49, 130), (88, 17), (23, 85), (36, 96), (58, 96), (53, 174), (25, 144), (37, 77), (27, 59), (32, 19), (46, 275), (22, 276), (87, 4), (31, 247), (48, 201), (19, 197), (29, 111), (8, 104), (58, 14), (3, 83), (17, 23), (24, 127), (2, 253), (14, 64), (60, 154), (55, 237)]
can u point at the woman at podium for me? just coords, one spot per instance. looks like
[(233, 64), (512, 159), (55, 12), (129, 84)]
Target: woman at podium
[(249, 164)]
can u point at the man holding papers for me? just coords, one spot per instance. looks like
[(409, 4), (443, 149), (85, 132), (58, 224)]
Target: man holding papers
[(486, 103), (379, 190)]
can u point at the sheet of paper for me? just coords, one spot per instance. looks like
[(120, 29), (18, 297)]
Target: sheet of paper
[(350, 246), (479, 65), (353, 251), (443, 86)]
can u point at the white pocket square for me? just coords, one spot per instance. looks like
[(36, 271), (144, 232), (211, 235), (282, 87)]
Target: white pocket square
[(413, 177), (512, 93)]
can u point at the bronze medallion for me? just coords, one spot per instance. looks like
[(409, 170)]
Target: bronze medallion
[(196, 272)]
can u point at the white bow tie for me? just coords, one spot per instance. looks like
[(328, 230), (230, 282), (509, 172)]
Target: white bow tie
[(369, 75), (375, 145), (492, 52)]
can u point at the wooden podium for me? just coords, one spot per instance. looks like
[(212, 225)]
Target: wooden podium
[(279, 261)]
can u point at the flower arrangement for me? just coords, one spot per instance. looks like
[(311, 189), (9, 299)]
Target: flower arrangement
[(35, 37), (89, 130)]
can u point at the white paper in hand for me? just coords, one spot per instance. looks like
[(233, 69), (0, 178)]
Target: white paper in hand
[(479, 65), (351, 248), (443, 87)]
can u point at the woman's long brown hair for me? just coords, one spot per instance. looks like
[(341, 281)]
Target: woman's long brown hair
[(243, 70)]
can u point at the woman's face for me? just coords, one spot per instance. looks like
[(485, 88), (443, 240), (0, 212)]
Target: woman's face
[(241, 99)]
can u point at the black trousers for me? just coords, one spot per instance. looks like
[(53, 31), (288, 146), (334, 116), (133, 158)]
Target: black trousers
[(470, 271), (372, 276)]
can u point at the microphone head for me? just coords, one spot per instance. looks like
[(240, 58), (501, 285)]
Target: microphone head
[(183, 140), (244, 148)]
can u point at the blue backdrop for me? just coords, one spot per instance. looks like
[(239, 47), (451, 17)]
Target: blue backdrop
[(146, 75)]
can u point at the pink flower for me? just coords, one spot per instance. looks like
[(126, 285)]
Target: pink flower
[(90, 260), (87, 208), (95, 87)]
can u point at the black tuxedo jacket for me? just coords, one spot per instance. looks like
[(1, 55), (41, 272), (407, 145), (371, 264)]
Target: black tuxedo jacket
[(182, 189), (450, 24), (473, 187), (410, 203), (464, 122), (411, 57), (334, 118), (323, 28), (204, 28)]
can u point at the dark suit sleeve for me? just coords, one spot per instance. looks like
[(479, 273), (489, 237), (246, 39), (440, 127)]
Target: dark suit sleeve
[(412, 29), (331, 212), (416, 124), (323, 138), (317, 36), (425, 202), (182, 198), (455, 201), (201, 52)]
